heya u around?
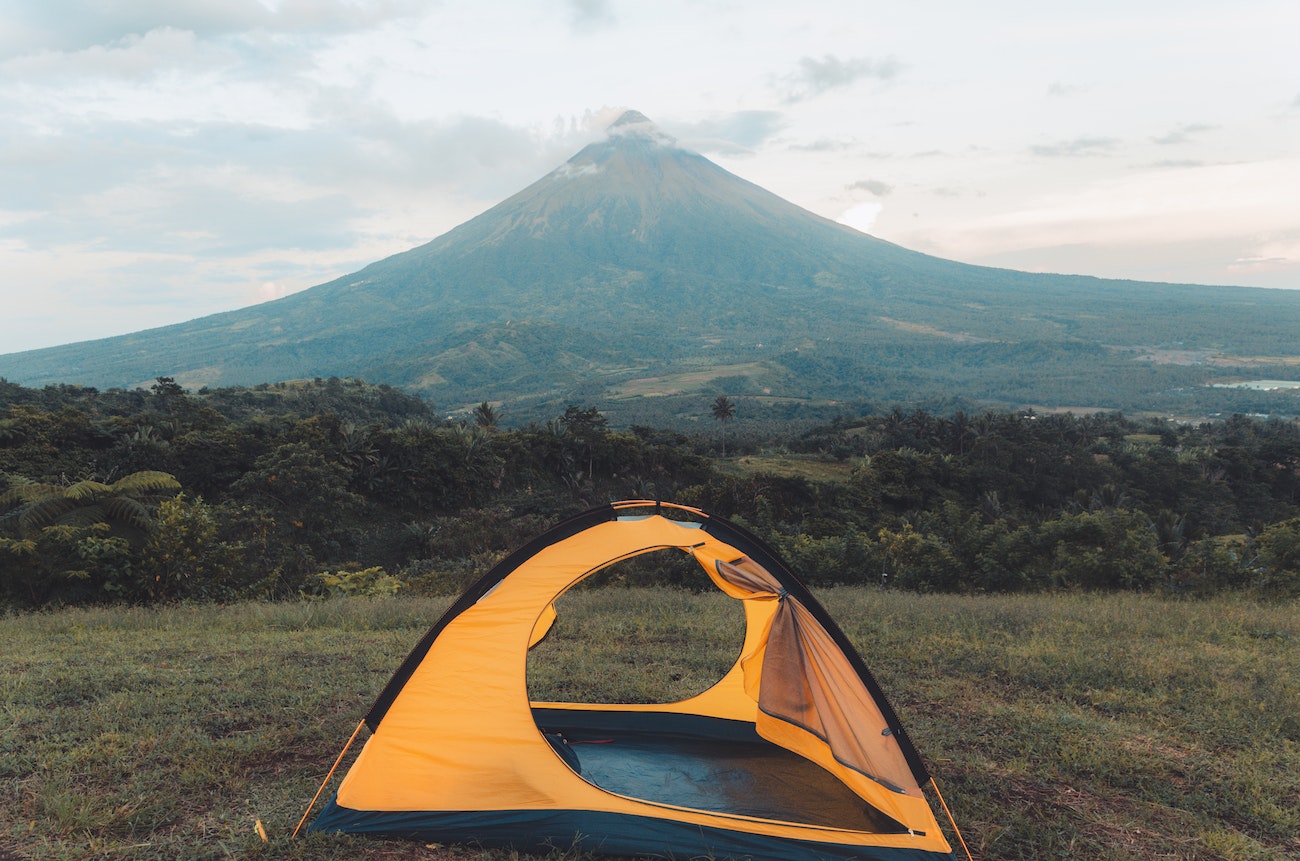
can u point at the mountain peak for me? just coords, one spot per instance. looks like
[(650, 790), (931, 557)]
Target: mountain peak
[(637, 124), (629, 118)]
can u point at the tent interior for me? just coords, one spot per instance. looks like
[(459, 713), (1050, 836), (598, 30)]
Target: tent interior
[(668, 757), (705, 764)]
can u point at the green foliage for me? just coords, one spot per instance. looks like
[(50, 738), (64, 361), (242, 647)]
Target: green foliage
[(920, 562), (123, 505), (372, 582), (1212, 565), (308, 492), (64, 564), (1111, 549), (185, 556), (1279, 558), (966, 502)]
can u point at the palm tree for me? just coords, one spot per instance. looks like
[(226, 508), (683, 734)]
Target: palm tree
[(125, 505), (724, 411), (485, 416)]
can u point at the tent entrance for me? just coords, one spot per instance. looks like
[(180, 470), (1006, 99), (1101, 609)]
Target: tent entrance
[(666, 644), (648, 731), (710, 764)]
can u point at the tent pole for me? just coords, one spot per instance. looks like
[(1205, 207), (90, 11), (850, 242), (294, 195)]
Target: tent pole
[(326, 781), (955, 829)]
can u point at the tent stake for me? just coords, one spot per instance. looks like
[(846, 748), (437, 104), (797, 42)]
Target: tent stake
[(955, 829), (325, 782)]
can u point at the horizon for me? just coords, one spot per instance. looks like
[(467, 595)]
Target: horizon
[(166, 164)]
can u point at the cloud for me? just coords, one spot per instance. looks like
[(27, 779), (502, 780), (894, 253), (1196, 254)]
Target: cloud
[(862, 216), (1180, 226), (816, 76), (824, 145), (208, 189), (1059, 90), (591, 14), (567, 170), (131, 58), (1081, 146), (1183, 134), (875, 186), (1279, 252), (737, 133), (73, 25)]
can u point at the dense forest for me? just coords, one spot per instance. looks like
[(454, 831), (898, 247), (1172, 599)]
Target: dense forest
[(333, 486)]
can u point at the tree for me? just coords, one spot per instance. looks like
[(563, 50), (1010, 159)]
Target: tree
[(76, 538), (1279, 558), (724, 411), (584, 437), (308, 488), (66, 564), (485, 416), (124, 505), (185, 557)]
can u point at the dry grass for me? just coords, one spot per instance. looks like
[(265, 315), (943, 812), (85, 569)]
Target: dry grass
[(811, 467)]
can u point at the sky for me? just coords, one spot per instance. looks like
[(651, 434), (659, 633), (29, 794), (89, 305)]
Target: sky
[(165, 159)]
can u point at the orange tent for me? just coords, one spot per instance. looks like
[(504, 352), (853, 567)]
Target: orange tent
[(793, 754)]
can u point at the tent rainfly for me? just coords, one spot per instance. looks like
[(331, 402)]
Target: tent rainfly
[(793, 755)]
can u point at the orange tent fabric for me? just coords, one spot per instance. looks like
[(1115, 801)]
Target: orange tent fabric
[(458, 752)]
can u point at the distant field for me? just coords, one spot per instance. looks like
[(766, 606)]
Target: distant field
[(685, 382), (811, 467), (1068, 726)]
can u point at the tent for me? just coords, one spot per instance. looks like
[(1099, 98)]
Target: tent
[(793, 754)]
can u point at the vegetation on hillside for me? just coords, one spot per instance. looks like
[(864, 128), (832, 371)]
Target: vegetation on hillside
[(163, 495)]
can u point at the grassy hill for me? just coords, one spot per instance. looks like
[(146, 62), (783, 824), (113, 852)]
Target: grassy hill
[(1081, 726)]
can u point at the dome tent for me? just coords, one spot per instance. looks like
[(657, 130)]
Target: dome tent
[(793, 754)]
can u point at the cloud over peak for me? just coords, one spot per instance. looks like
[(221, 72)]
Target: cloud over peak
[(735, 133), (816, 76)]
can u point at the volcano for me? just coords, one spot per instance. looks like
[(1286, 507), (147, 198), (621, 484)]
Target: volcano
[(639, 270)]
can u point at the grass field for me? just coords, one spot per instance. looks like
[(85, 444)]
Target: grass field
[(811, 467), (1069, 726)]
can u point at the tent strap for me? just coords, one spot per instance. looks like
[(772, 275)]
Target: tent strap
[(955, 829), (326, 781)]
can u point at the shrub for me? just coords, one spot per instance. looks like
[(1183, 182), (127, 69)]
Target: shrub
[(1279, 559), (364, 583)]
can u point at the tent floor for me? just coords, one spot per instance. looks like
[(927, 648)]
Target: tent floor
[(707, 764)]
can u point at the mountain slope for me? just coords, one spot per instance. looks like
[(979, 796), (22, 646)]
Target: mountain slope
[(638, 260)]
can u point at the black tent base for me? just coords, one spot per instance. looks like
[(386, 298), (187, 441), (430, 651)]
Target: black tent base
[(542, 831), (709, 764)]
